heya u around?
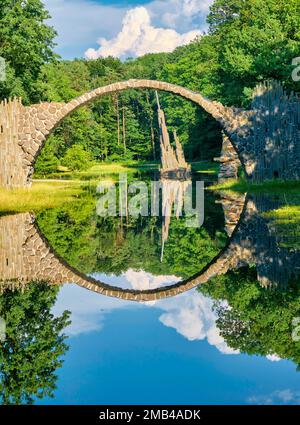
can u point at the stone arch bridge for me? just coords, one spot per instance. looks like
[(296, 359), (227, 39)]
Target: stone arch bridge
[(26, 256), (265, 138)]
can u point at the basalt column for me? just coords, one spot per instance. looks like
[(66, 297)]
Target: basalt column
[(13, 171)]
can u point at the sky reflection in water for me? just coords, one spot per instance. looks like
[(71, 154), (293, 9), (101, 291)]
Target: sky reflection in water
[(168, 351)]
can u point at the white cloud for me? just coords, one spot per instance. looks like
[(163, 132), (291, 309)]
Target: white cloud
[(141, 280), (273, 358), (181, 13), (191, 313), (192, 316), (88, 310), (138, 36), (78, 23), (279, 397)]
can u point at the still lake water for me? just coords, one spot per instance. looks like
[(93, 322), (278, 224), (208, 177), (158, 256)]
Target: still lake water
[(233, 339)]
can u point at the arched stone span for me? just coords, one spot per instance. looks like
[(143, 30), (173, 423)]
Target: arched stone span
[(36, 122), (266, 137)]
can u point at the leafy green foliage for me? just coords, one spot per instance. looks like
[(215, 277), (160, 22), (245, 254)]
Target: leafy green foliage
[(259, 320), (257, 40), (77, 159), (34, 344), (26, 43)]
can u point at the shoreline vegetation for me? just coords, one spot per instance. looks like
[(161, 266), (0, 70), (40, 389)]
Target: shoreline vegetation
[(107, 168), (38, 197), (65, 186), (284, 187), (97, 170)]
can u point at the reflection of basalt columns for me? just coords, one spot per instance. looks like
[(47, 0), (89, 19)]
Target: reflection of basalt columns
[(173, 192)]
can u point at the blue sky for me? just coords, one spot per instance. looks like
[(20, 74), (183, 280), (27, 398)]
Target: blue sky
[(122, 3), (123, 28)]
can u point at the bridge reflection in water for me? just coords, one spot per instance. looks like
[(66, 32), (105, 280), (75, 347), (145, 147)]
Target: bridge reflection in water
[(26, 256)]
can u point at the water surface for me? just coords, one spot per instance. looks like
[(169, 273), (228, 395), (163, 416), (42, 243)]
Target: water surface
[(233, 339)]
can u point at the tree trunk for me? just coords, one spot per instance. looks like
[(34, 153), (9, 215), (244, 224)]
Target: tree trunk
[(152, 134), (116, 108), (124, 129)]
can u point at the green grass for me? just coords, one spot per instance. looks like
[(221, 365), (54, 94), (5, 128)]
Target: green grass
[(113, 168), (286, 214), (272, 186), (91, 173), (110, 168), (38, 197), (205, 167), (286, 222), (100, 170)]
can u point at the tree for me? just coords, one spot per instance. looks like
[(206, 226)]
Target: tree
[(34, 345), (258, 321), (257, 40), (26, 43)]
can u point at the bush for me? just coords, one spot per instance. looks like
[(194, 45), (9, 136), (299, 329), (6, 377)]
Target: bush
[(77, 158)]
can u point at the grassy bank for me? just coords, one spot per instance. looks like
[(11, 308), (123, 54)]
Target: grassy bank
[(38, 197), (99, 170), (205, 167), (273, 186), (114, 168), (286, 216)]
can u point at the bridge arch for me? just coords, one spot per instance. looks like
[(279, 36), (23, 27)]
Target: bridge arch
[(39, 121), (272, 121)]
